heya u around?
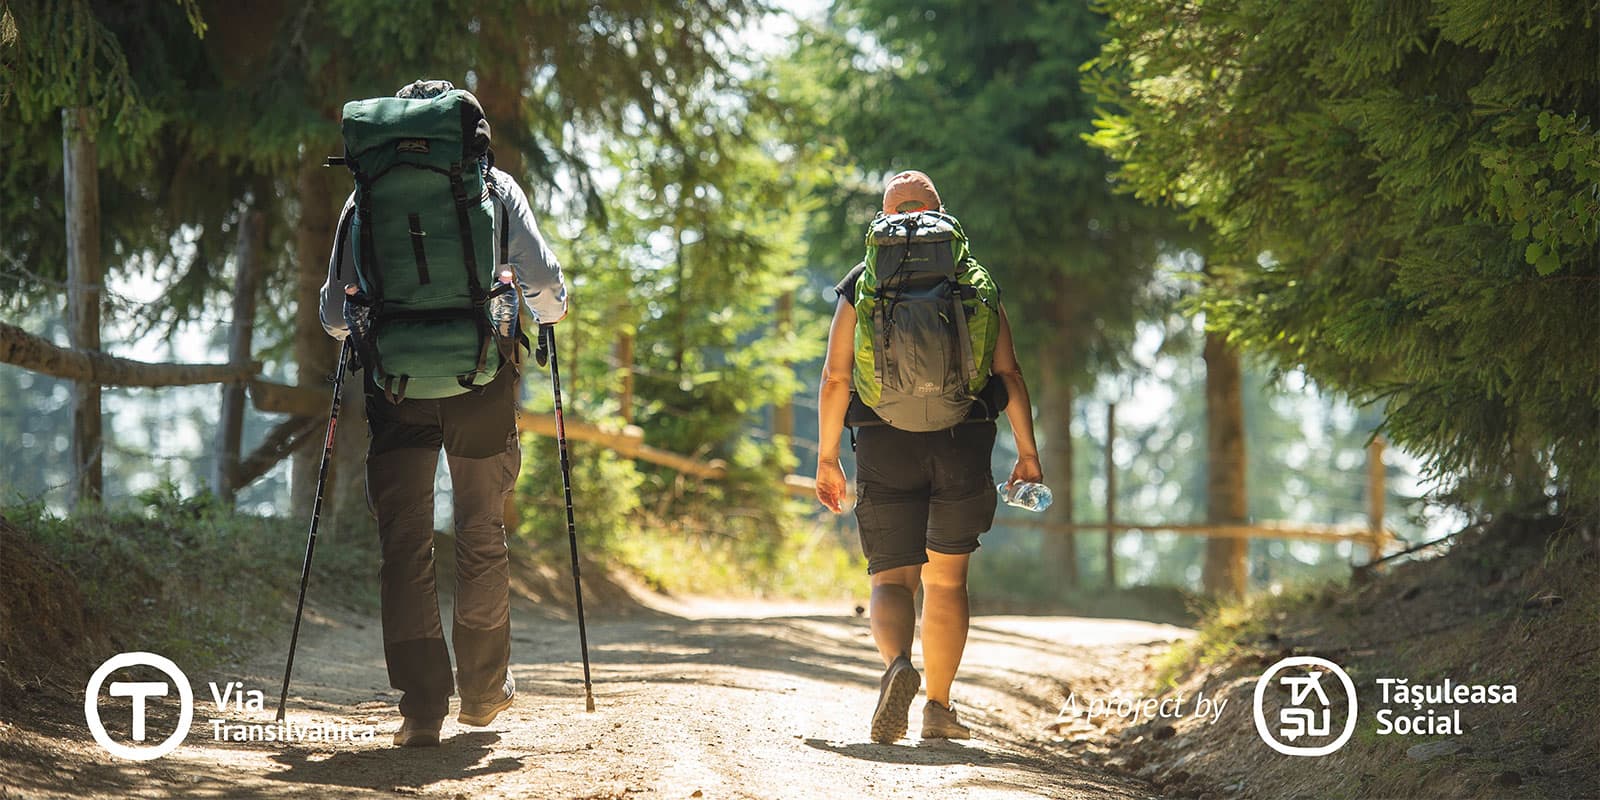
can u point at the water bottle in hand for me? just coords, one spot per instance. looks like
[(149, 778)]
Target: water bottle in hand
[(502, 307), (1026, 496)]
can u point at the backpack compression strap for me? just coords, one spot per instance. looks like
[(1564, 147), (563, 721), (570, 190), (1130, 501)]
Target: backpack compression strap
[(389, 389), (469, 259)]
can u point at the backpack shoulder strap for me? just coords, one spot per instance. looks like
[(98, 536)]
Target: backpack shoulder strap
[(502, 216)]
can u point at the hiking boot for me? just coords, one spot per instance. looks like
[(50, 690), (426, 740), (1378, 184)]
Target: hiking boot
[(895, 693), (418, 733), (480, 714), (939, 722)]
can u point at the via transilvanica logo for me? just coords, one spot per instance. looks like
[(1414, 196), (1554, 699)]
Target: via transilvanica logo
[(139, 691)]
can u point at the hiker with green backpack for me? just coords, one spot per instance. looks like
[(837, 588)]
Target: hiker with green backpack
[(920, 364), (432, 242)]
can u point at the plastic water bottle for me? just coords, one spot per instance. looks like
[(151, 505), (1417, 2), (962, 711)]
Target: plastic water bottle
[(502, 306), (1026, 496)]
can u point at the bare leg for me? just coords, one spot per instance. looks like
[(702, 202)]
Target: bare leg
[(894, 610), (945, 615)]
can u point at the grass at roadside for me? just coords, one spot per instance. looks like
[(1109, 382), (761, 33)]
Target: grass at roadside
[(1513, 604), (191, 583), (810, 563)]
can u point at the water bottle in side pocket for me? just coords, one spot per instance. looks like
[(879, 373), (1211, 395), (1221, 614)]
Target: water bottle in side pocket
[(502, 305)]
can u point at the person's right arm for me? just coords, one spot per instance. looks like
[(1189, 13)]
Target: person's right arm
[(833, 399), (544, 288)]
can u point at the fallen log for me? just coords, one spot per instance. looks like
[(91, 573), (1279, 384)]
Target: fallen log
[(627, 441), (23, 349), (285, 438)]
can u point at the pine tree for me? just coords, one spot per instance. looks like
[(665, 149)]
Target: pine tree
[(987, 100), (1402, 200)]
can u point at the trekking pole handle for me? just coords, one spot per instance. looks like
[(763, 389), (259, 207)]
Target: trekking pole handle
[(541, 353)]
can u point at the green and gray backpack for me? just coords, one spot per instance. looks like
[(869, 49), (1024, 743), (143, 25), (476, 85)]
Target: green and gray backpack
[(423, 234), (927, 318)]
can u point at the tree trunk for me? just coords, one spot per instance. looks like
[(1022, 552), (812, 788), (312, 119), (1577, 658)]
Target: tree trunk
[(314, 352), (1226, 501), (81, 171), (624, 354), (679, 303), (1060, 550), (247, 271), (783, 412), (499, 89)]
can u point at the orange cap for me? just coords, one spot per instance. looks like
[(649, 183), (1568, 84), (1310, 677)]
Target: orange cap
[(910, 191)]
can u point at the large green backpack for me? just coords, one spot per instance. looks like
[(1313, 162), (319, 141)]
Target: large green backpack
[(423, 234), (927, 318)]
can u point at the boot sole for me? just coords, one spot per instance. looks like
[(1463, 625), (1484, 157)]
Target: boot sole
[(418, 738), (889, 721), (946, 734), (485, 717)]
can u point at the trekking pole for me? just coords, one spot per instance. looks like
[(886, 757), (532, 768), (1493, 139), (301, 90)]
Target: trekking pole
[(316, 516), (547, 345)]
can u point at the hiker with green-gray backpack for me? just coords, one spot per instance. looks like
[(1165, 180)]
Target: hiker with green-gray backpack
[(436, 260), (920, 364)]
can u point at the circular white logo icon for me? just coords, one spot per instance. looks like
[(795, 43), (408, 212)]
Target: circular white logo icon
[(139, 691), (1301, 717)]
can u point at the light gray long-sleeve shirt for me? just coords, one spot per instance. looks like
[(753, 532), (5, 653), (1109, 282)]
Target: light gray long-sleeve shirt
[(538, 273)]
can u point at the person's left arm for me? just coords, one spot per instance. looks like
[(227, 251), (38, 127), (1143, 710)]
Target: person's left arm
[(1019, 411), (544, 288)]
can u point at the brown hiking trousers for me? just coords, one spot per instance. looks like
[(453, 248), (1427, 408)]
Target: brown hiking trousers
[(478, 432)]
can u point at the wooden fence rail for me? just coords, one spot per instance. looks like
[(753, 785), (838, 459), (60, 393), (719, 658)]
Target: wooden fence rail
[(1359, 534), (38, 354)]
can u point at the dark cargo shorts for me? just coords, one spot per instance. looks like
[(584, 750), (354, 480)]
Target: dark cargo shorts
[(922, 491)]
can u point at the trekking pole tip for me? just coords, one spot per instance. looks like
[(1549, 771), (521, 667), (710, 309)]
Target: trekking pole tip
[(588, 702)]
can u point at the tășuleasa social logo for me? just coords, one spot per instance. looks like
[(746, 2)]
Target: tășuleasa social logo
[(1308, 709), (1316, 707), (137, 741)]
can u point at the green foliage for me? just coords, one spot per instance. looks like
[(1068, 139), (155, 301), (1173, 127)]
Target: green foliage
[(987, 100), (1401, 200), (70, 54), (655, 144), (605, 495)]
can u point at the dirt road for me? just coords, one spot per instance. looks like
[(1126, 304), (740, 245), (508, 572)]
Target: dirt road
[(712, 700)]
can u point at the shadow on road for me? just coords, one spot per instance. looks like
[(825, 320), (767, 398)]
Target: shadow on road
[(462, 757)]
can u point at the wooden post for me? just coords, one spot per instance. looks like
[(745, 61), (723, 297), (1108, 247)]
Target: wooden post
[(252, 232), (1377, 479), (1058, 550), (81, 172), (783, 412), (1111, 496), (1227, 503), (624, 352)]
